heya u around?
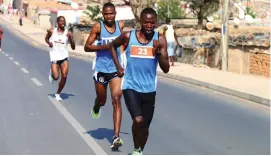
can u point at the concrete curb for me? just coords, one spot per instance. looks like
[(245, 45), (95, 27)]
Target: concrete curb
[(250, 97)]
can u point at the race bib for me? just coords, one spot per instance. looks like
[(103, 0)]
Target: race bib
[(58, 45), (142, 52)]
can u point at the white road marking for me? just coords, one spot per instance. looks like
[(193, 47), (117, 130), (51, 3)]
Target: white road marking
[(24, 70), (37, 82), (11, 58), (17, 63), (6, 54), (3, 52), (96, 148)]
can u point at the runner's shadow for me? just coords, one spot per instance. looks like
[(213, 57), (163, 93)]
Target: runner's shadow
[(103, 133), (64, 96)]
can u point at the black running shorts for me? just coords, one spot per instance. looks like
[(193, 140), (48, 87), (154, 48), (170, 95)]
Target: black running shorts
[(59, 62), (104, 78), (140, 104)]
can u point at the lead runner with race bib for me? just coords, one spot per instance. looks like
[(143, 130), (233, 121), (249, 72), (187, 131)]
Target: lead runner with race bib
[(145, 49)]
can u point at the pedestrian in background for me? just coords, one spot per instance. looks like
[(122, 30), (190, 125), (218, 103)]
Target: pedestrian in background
[(1, 35), (171, 36), (21, 19)]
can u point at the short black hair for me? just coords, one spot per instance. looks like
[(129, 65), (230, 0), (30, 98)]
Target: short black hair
[(148, 10), (59, 17), (108, 4)]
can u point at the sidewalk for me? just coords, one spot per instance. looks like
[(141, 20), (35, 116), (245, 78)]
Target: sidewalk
[(249, 87)]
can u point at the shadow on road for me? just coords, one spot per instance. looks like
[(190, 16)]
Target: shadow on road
[(103, 133), (64, 96)]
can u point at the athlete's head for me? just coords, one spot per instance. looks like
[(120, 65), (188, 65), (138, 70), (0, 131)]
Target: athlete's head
[(109, 13), (148, 19), (61, 22)]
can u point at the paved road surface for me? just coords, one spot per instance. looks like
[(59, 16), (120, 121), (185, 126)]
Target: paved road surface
[(188, 119)]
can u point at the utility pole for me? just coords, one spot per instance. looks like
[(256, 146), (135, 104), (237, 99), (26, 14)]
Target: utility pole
[(224, 34), (168, 9)]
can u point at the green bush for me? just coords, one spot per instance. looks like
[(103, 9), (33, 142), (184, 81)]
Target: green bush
[(250, 12), (93, 12)]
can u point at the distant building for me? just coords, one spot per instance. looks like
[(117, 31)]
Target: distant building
[(8, 3), (17, 4), (71, 15)]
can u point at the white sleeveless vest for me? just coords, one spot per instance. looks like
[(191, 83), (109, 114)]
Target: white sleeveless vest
[(59, 50)]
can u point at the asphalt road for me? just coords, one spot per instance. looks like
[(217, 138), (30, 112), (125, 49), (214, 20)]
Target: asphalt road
[(187, 120)]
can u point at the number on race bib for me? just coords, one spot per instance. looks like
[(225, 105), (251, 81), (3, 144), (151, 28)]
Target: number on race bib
[(141, 52), (58, 45)]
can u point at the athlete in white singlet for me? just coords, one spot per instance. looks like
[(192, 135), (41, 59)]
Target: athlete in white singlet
[(57, 39)]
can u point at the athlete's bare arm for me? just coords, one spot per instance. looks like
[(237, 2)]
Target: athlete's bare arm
[(95, 32), (121, 40), (161, 46), (47, 37), (69, 35)]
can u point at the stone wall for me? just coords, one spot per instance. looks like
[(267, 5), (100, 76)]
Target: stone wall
[(249, 60), (241, 60), (238, 60), (260, 64), (248, 52), (81, 33)]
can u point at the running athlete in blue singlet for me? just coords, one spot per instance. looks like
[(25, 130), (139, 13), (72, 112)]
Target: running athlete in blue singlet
[(105, 71), (145, 49)]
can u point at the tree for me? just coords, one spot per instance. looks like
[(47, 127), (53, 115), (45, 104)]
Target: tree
[(93, 12), (138, 5), (169, 6), (203, 8)]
